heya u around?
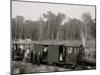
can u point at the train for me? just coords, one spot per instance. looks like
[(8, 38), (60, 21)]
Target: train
[(68, 55)]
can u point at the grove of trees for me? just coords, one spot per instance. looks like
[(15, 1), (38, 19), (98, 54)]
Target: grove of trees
[(53, 27)]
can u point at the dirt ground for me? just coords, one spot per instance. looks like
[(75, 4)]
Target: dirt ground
[(20, 67)]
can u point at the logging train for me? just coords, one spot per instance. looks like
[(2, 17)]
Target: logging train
[(67, 55)]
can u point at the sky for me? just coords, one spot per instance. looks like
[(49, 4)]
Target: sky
[(33, 10)]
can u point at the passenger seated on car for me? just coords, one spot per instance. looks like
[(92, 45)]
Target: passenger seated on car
[(45, 52), (22, 48), (31, 56), (27, 55), (80, 55), (22, 51), (61, 57), (45, 48), (38, 58), (34, 57), (82, 51)]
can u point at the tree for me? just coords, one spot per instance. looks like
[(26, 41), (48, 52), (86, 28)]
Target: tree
[(14, 28), (17, 24), (90, 26), (59, 19), (41, 29), (73, 29), (53, 24)]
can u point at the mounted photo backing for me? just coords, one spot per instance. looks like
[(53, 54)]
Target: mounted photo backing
[(52, 37)]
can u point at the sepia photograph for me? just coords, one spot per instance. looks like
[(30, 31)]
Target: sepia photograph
[(52, 37)]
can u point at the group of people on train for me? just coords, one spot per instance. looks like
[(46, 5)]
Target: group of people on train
[(27, 55)]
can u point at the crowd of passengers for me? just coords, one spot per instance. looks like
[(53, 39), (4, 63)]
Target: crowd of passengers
[(28, 55)]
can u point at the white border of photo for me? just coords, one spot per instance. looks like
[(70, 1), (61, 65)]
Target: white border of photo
[(5, 37)]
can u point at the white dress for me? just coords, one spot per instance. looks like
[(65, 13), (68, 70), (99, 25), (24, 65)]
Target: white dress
[(27, 53)]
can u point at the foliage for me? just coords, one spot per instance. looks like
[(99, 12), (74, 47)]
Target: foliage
[(51, 27)]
